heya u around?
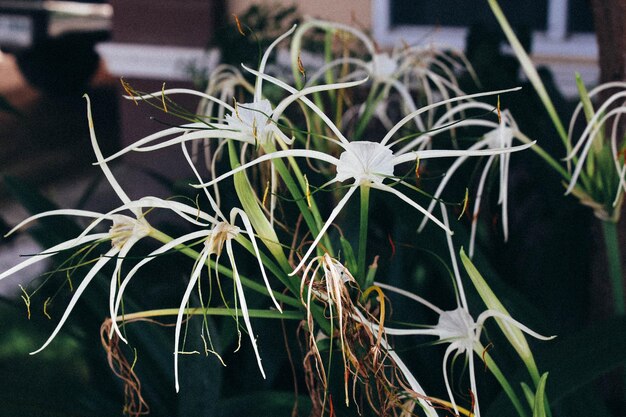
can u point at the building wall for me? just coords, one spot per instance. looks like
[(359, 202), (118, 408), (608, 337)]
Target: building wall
[(357, 12)]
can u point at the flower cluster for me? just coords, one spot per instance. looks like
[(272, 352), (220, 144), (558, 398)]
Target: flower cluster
[(318, 135)]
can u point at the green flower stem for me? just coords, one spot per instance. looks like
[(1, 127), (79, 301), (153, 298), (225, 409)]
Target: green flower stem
[(328, 56), (530, 70), (310, 214), (363, 224), (370, 105), (212, 311), (611, 242), (546, 157), (163, 238), (297, 195), (504, 383)]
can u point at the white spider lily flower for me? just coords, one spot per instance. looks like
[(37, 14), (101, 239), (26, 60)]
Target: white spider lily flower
[(248, 123), (500, 136), (220, 235), (366, 163), (123, 234), (425, 70), (463, 334), (254, 123), (383, 66), (253, 120), (588, 151), (456, 327)]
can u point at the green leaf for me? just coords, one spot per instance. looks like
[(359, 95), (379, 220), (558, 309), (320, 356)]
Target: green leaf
[(514, 335), (529, 394), (348, 254), (250, 205), (575, 361), (539, 409)]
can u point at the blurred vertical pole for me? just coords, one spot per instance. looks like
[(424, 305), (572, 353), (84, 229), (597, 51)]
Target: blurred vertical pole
[(609, 18)]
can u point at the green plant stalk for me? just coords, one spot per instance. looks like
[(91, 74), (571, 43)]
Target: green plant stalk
[(212, 311), (193, 254), (589, 112), (370, 105), (546, 157), (514, 335), (540, 407), (504, 383), (270, 265), (297, 195), (530, 70), (328, 56), (250, 205), (363, 224), (611, 242), (310, 214)]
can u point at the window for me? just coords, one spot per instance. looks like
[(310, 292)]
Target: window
[(560, 27), (562, 30)]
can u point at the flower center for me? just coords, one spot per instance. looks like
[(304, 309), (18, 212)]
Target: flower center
[(457, 326), (124, 228), (500, 137), (366, 162), (251, 119), (383, 66), (221, 232)]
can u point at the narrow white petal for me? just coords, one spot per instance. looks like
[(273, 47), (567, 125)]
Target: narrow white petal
[(258, 95), (170, 91), (79, 291), (100, 159), (410, 295), (53, 251), (477, 200), (462, 301), (179, 317), (412, 115), (449, 350), (244, 306), (60, 212), (299, 153), (113, 286), (447, 153), (156, 136), (332, 217), (412, 203), (310, 90), (257, 253), (510, 321)]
